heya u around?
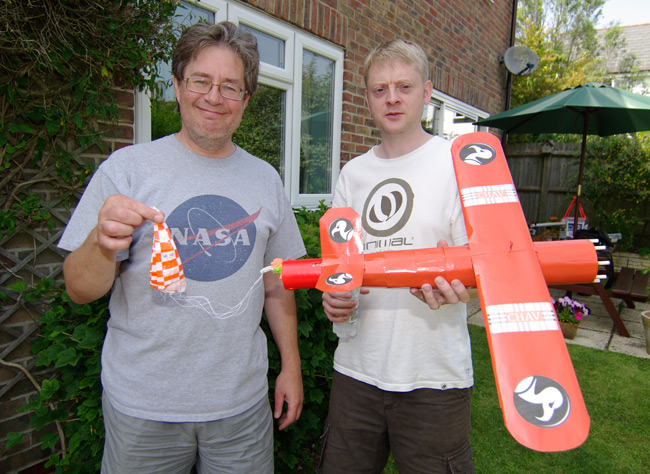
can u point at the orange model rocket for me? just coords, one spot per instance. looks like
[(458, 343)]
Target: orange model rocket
[(538, 391)]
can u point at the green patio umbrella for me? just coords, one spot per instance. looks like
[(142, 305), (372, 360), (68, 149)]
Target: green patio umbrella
[(589, 109)]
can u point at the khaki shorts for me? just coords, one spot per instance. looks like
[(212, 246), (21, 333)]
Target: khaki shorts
[(240, 444), (426, 430)]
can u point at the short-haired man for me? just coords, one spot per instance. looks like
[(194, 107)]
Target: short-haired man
[(404, 382), (184, 376)]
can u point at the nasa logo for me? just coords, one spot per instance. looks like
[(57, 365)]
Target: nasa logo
[(214, 235), (338, 279), (388, 207), (341, 230), (542, 401), (477, 154)]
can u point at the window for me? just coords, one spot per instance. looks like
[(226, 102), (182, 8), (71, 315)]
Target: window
[(293, 120), (449, 117)]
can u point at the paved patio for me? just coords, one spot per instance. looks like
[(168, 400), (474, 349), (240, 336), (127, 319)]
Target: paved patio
[(597, 330)]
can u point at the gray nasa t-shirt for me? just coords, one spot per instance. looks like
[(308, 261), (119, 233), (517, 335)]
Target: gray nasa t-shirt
[(167, 361)]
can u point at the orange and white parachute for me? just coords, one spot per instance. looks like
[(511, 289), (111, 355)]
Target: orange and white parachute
[(166, 267)]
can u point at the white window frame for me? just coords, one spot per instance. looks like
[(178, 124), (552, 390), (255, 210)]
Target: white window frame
[(336, 55), (288, 79), (444, 102)]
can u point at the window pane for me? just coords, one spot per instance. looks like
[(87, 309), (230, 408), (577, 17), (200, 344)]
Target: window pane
[(447, 120), (431, 118), (456, 124), (186, 14), (316, 124), (271, 48), (261, 132)]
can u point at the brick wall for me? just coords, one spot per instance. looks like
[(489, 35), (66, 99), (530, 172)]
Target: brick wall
[(28, 255), (463, 40)]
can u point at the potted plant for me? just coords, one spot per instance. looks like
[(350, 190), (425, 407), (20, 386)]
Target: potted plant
[(569, 313)]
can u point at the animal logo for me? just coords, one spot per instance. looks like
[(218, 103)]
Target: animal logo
[(542, 401), (338, 279), (341, 230), (477, 154)]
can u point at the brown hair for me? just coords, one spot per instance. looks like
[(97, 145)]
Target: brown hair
[(201, 35)]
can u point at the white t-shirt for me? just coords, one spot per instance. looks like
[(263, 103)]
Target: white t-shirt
[(406, 203)]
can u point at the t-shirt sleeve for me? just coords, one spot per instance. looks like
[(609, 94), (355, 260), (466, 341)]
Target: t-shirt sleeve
[(84, 217)]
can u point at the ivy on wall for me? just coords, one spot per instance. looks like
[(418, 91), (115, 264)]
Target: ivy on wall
[(60, 63)]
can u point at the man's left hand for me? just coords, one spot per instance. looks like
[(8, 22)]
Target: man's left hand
[(444, 293), (288, 388)]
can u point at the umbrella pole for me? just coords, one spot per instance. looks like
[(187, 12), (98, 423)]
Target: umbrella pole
[(582, 164)]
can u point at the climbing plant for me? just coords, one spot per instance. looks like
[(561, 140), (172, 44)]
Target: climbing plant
[(61, 62), (62, 65)]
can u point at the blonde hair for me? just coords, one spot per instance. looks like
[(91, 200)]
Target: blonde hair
[(398, 50)]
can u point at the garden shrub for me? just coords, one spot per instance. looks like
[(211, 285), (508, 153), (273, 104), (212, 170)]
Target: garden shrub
[(616, 185)]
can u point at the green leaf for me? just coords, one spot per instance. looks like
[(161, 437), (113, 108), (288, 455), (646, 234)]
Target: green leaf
[(74, 442), (13, 439), (93, 338), (69, 356), (49, 440), (19, 286), (49, 388), (52, 126), (304, 328)]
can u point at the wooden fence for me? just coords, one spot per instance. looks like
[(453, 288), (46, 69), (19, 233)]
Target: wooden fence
[(542, 173)]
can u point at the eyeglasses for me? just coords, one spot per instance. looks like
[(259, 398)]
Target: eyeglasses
[(202, 86)]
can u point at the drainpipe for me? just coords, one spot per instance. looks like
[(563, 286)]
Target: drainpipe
[(513, 30)]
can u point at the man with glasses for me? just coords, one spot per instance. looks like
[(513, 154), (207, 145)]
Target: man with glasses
[(184, 376)]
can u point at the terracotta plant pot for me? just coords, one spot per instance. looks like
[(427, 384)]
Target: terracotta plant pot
[(569, 330)]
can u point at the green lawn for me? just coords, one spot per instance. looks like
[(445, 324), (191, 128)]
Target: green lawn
[(616, 389)]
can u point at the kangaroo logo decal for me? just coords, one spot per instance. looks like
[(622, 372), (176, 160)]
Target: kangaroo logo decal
[(542, 401)]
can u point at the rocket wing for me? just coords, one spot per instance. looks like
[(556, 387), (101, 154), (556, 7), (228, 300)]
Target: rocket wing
[(538, 391)]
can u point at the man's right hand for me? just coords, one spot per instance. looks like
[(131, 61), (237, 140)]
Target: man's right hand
[(90, 270), (339, 305), (119, 217)]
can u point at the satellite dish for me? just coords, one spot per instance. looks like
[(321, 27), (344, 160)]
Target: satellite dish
[(520, 60)]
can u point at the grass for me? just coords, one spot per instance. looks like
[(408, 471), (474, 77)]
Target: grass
[(616, 389)]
